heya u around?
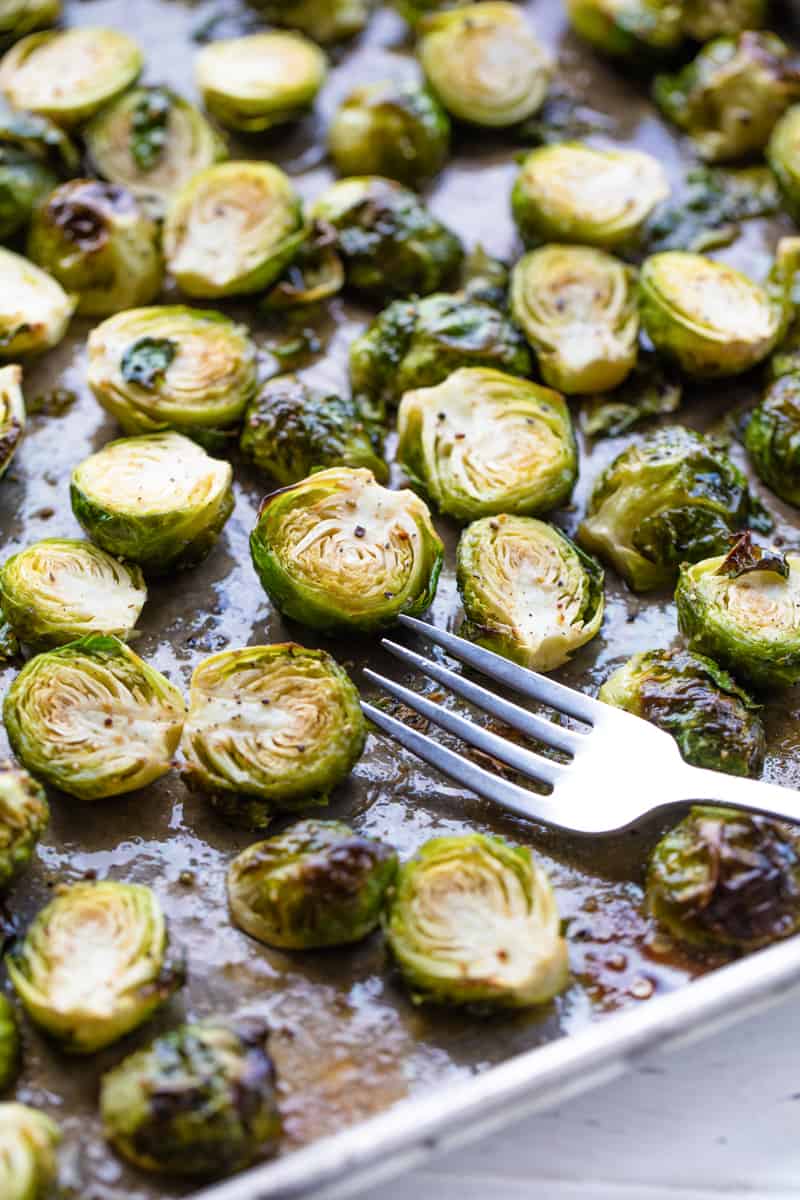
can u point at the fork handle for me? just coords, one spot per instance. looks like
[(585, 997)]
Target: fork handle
[(734, 791)]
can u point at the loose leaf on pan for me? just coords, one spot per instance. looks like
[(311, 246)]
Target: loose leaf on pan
[(564, 118), (651, 390), (746, 555), (147, 361), (708, 208)]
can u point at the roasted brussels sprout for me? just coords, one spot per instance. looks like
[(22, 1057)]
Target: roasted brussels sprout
[(398, 130), (95, 964), (672, 496), (28, 1144), (339, 552), (571, 192), (59, 589), (34, 155), (68, 75), (93, 719), (726, 878), (637, 30), (198, 1101), (21, 17), (9, 1051), (24, 815), (263, 79), (12, 415), (473, 920), (418, 343), (783, 156), (317, 884), (323, 20), (232, 229), (390, 243), (99, 244), (710, 318), (528, 592), (158, 500), (34, 309), (577, 308), (714, 721), (743, 610), (484, 442), (729, 98), (772, 438), (484, 63), (291, 430), (170, 367), (706, 19)]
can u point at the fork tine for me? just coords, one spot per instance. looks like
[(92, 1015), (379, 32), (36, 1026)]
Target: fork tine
[(521, 679), (518, 718), (543, 770)]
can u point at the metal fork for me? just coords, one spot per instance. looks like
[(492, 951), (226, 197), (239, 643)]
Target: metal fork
[(620, 768)]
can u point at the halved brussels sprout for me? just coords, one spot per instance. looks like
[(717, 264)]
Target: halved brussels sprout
[(93, 719), (59, 589), (21, 17), (28, 1144), (317, 884), (68, 75), (398, 130), (672, 496), (24, 815), (706, 19), (323, 20), (99, 244), (577, 308), (710, 318), (730, 96), (783, 156), (484, 63), (291, 430), (34, 309), (12, 415), (743, 610), (9, 1050), (279, 723), (715, 722), (263, 79), (637, 30), (772, 438), (232, 229), (198, 1101), (34, 155), (339, 552), (391, 244), (473, 920), (571, 192), (726, 878), (95, 964), (418, 343), (484, 442), (159, 500), (529, 593)]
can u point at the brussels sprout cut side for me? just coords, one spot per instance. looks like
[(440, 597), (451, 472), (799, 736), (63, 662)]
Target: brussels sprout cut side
[(12, 415), (318, 884), (68, 75), (637, 30), (93, 719), (159, 500), (278, 723), (726, 878), (94, 964), (714, 721), (484, 63), (473, 920), (772, 438), (397, 130), (231, 229), (34, 309), (577, 308), (28, 1145), (9, 1050), (339, 552), (24, 815), (485, 442), (252, 83), (199, 1101)]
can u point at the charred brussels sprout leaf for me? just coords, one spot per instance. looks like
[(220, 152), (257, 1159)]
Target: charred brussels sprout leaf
[(34, 309), (745, 555), (473, 920), (68, 75), (484, 63), (390, 243), (339, 552), (232, 228), (714, 721), (651, 390), (9, 1054), (99, 244), (93, 719), (28, 1145), (291, 430), (158, 500), (21, 17), (318, 884), (95, 964), (397, 130), (577, 308), (198, 1101), (263, 79), (726, 878), (323, 20), (528, 592), (485, 442), (636, 30), (772, 438), (24, 815), (12, 415), (706, 19), (673, 496)]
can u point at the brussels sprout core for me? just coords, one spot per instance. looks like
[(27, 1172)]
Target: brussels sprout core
[(630, 29), (264, 79), (397, 130), (24, 815), (12, 414), (34, 310), (28, 1144), (9, 1054), (772, 438)]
